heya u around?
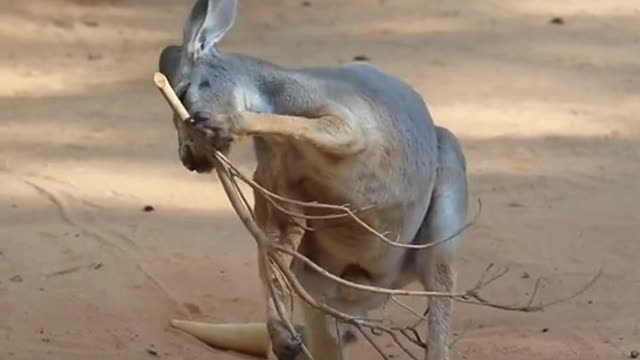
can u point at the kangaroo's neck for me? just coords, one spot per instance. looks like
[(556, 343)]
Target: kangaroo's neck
[(272, 89)]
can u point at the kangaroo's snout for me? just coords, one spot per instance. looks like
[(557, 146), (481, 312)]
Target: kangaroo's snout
[(193, 160)]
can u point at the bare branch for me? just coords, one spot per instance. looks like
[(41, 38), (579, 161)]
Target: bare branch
[(373, 289), (346, 212)]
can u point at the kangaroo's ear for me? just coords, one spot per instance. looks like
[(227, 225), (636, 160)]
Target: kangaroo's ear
[(169, 62), (208, 22)]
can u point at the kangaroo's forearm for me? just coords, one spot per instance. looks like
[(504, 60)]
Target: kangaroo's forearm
[(329, 133)]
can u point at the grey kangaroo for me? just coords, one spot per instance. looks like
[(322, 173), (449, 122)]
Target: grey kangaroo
[(349, 134)]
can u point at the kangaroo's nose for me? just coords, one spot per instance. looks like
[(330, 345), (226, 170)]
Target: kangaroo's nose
[(200, 117)]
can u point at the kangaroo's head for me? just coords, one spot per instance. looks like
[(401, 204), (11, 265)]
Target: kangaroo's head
[(204, 79)]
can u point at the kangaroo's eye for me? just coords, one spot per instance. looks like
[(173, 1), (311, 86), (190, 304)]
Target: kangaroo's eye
[(182, 95), (181, 91)]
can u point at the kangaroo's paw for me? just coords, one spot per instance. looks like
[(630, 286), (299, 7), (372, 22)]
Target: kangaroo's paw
[(283, 345)]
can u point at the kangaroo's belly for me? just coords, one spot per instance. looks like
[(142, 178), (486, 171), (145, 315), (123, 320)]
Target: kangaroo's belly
[(388, 187), (354, 255), (383, 215)]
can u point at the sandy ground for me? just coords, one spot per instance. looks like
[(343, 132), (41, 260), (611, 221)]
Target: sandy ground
[(548, 115)]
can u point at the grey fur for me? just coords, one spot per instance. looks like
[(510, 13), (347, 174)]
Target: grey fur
[(347, 134)]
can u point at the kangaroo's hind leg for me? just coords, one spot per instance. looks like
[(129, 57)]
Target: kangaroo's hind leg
[(446, 216)]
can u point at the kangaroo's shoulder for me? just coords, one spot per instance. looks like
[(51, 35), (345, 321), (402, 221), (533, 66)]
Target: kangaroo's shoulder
[(366, 80), (357, 73)]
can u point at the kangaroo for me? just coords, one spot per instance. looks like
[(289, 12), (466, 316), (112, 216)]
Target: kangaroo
[(348, 134)]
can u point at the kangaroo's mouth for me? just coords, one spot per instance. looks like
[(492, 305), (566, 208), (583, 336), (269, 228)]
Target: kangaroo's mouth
[(197, 160), (193, 160)]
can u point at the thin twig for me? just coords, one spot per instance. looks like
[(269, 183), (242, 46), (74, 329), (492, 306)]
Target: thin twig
[(473, 297), (411, 334), (255, 185), (369, 288), (581, 291), (408, 308), (372, 342), (422, 318), (482, 283), (397, 341), (459, 337), (244, 199)]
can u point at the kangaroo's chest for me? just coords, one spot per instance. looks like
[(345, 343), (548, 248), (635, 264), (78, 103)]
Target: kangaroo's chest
[(388, 199)]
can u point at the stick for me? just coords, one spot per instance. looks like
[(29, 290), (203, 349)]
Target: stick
[(166, 90)]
